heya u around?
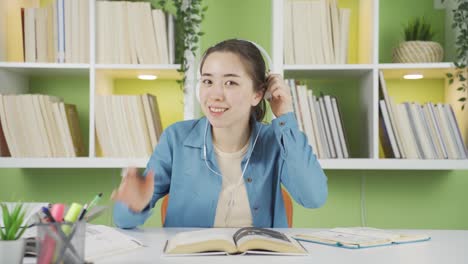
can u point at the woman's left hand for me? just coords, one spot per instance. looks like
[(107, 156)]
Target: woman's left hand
[(280, 101)]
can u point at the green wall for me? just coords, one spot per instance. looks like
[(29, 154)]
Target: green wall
[(395, 14), (237, 19), (393, 199)]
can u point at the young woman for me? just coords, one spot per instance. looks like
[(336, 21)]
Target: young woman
[(226, 169)]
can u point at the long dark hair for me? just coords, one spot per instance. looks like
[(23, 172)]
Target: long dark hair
[(254, 63)]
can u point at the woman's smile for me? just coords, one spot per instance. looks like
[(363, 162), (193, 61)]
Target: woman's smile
[(216, 111)]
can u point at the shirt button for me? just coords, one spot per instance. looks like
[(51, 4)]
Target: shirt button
[(249, 180), (282, 123), (255, 208)]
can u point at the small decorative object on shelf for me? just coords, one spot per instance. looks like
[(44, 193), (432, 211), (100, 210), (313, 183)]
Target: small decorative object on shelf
[(11, 230), (458, 79), (418, 46)]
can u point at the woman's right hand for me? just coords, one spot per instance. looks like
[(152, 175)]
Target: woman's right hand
[(135, 190)]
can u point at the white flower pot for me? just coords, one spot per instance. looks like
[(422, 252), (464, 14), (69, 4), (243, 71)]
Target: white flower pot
[(12, 251)]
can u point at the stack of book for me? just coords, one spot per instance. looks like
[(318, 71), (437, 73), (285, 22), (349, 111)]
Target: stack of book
[(127, 125), (315, 32), (320, 119), (34, 125), (138, 36), (413, 131), (58, 32)]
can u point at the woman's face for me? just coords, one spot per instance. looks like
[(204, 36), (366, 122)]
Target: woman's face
[(226, 90)]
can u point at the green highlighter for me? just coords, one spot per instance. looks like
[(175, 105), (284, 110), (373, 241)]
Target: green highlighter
[(72, 216)]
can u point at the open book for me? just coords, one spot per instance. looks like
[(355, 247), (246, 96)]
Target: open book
[(359, 237), (233, 241)]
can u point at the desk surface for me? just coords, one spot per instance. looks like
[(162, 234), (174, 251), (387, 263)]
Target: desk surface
[(445, 246)]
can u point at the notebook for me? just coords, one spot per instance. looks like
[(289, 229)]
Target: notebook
[(359, 237)]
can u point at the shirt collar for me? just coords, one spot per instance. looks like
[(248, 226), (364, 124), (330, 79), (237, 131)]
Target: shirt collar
[(196, 137)]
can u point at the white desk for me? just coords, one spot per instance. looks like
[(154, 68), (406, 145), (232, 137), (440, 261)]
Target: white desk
[(446, 246)]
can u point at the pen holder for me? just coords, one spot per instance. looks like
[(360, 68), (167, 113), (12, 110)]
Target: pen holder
[(61, 242)]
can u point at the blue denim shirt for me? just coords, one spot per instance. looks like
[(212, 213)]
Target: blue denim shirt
[(281, 155)]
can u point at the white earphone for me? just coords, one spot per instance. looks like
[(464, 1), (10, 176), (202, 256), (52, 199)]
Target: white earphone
[(231, 202), (268, 61)]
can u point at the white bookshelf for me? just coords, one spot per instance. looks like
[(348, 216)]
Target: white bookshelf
[(17, 75), (366, 71), (439, 65), (38, 69), (393, 164), (138, 66), (327, 164), (81, 162), (32, 65)]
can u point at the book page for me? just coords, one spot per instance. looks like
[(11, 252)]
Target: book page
[(102, 241), (247, 233), (251, 238), (367, 231), (356, 237), (385, 234), (332, 237), (205, 240)]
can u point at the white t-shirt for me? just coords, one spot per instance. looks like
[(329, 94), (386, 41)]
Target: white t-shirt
[(238, 214)]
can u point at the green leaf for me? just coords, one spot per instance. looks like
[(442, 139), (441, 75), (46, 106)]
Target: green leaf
[(6, 216), (418, 29), (16, 212), (463, 99), (460, 88), (21, 232), (15, 221), (449, 75), (450, 81), (15, 226)]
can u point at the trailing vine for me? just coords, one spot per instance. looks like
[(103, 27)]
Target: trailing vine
[(460, 22), (188, 16)]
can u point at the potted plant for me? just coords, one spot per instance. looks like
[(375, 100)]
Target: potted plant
[(418, 46), (11, 243)]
